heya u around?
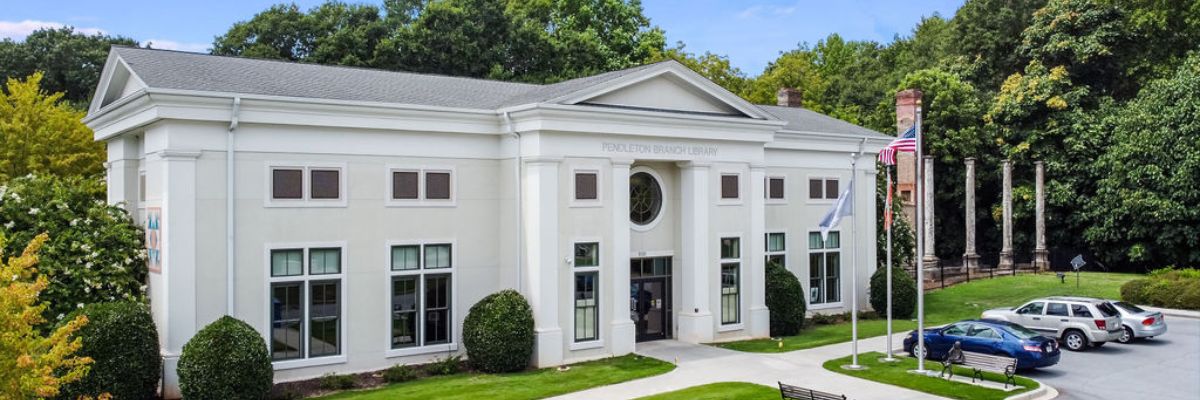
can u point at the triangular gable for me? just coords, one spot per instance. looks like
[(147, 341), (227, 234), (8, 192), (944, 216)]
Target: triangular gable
[(669, 87), (117, 81)]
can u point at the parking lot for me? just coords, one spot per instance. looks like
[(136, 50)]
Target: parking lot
[(1164, 368)]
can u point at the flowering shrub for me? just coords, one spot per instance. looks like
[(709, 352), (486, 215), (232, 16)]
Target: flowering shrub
[(95, 252)]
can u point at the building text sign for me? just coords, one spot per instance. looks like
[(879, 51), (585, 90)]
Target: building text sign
[(660, 149)]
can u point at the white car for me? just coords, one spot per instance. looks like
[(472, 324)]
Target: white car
[(1077, 322), (1138, 323)]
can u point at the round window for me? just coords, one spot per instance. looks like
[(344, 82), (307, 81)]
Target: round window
[(645, 198)]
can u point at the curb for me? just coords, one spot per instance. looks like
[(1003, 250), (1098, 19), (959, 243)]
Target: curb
[(1043, 392), (1171, 312)]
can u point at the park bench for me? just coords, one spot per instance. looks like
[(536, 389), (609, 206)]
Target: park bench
[(795, 392), (979, 362)]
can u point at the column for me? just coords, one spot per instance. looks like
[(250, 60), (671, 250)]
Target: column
[(122, 172), (930, 256), (623, 331), (1041, 260), (970, 257), (1006, 260), (542, 262), (756, 273), (177, 173), (695, 319)]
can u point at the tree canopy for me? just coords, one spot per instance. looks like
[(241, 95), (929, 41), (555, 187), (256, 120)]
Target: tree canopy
[(41, 134), (70, 61)]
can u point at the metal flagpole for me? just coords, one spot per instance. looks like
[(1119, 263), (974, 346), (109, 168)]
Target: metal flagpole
[(920, 175), (888, 211), (854, 262)]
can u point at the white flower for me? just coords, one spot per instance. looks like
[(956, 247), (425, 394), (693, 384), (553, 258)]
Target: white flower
[(86, 247), (15, 277), (33, 211), (60, 316), (74, 221), (10, 224), (87, 289), (78, 305)]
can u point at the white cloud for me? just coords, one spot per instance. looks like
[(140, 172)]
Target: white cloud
[(18, 30), (758, 11), (174, 45), (750, 12)]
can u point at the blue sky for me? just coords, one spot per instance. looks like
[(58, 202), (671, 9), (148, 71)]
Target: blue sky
[(751, 32)]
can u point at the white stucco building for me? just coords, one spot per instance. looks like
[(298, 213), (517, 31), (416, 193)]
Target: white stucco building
[(353, 216)]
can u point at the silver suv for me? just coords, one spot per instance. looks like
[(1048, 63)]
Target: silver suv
[(1076, 321)]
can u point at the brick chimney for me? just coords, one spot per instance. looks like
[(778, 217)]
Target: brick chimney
[(789, 97), (907, 102)]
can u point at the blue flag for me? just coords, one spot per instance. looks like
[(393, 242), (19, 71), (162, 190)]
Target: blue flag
[(843, 208)]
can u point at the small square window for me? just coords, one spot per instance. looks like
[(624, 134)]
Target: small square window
[(775, 188), (142, 186), (406, 257), (729, 186), (831, 188), (287, 183), (287, 262), (437, 256), (587, 254), (816, 189), (585, 186), (776, 242), (324, 261), (731, 248), (437, 185), (325, 184), (404, 185)]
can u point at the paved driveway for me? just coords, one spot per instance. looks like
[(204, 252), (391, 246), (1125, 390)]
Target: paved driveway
[(1164, 368)]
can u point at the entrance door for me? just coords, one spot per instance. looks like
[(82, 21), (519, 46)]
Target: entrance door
[(650, 297)]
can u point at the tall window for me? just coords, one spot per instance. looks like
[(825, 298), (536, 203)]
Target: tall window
[(823, 188), (824, 268), (775, 188), (587, 294), (729, 186), (306, 302), (731, 265), (421, 297), (777, 248)]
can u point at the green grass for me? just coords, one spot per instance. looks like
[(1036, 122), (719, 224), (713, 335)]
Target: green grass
[(954, 303), (897, 374), (722, 391), (521, 385)]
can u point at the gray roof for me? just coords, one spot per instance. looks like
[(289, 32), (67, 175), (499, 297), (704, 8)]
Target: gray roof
[(208, 73)]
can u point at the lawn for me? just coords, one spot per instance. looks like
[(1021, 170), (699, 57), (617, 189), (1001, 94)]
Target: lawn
[(521, 385), (954, 303), (722, 391), (897, 374)]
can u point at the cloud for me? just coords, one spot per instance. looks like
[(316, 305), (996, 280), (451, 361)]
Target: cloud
[(758, 11), (18, 30), (750, 12), (174, 45)]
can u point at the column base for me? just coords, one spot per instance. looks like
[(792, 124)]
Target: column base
[(760, 322), (931, 260), (696, 327), (1041, 260), (1006, 260), (549, 350), (170, 383), (971, 261), (624, 337)]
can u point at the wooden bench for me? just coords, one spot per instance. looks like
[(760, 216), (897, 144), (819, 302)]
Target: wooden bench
[(979, 362), (795, 392)]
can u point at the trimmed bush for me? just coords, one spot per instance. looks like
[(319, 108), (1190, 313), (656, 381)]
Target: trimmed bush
[(337, 382), (225, 360), (498, 332), (785, 300), (399, 373), (904, 293), (444, 366), (1135, 291), (1167, 287), (121, 339)]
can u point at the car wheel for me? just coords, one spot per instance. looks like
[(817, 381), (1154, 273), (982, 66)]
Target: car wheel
[(1075, 341), (1126, 335), (925, 352)]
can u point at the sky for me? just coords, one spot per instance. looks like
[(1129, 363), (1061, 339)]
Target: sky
[(751, 33)]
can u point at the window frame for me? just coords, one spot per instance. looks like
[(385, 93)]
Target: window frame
[(731, 201), (576, 270), (586, 169), (422, 200), (823, 277), (421, 274), (738, 322), (306, 279), (767, 253), (305, 200), (824, 199), (767, 189)]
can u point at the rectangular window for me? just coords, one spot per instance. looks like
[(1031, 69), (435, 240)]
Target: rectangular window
[(325, 184), (729, 186), (404, 185), (287, 316), (323, 315), (421, 187), (823, 188), (306, 303), (587, 254), (831, 189), (325, 261), (824, 268), (730, 280), (421, 295), (587, 314), (731, 248), (287, 183), (437, 185), (775, 186), (437, 256), (437, 309), (406, 257), (404, 312), (287, 262), (142, 186), (585, 186), (777, 248)]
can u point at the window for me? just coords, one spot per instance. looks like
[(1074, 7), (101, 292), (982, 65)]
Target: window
[(421, 294), (731, 254), (824, 268), (142, 186), (1080, 311), (983, 332), (587, 294), (287, 183), (420, 187), (315, 186), (729, 186), (1034, 308), (956, 329), (1057, 309), (777, 248), (775, 188), (645, 199), (586, 186), (405, 185), (325, 184), (823, 188), (305, 302), (437, 185)]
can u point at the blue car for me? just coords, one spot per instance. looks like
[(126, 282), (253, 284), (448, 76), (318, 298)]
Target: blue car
[(1031, 349)]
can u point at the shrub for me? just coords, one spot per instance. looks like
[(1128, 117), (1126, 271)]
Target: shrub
[(498, 332), (1134, 291), (337, 382), (399, 373), (1167, 287), (95, 253), (785, 300), (225, 360), (444, 366), (121, 339), (904, 293)]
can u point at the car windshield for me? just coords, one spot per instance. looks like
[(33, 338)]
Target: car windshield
[(1107, 309), (1021, 332), (1129, 307)]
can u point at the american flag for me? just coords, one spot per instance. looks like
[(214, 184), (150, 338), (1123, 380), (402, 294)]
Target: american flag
[(907, 142)]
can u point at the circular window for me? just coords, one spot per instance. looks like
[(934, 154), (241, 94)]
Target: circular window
[(645, 198)]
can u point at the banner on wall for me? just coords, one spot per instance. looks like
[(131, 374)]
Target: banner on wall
[(154, 239)]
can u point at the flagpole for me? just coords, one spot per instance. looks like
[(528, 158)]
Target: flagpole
[(854, 262), (888, 210), (920, 247)]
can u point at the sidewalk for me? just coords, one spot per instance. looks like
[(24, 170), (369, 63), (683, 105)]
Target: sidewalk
[(1171, 312), (701, 364)]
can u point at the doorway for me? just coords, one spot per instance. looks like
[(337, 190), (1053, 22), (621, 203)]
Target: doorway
[(650, 297)]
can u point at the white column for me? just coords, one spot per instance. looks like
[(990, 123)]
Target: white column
[(756, 274), (970, 257), (695, 319), (623, 330), (542, 262), (1041, 260), (930, 255), (177, 171), (122, 172), (1006, 259)]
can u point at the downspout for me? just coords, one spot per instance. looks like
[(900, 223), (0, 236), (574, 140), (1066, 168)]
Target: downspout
[(230, 196), (517, 176)]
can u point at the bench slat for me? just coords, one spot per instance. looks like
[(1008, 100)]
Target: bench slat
[(796, 392)]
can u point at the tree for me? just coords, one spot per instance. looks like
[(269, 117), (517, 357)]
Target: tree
[(332, 33), (33, 364), (71, 61), (988, 33), (714, 67), (39, 133), (1086, 37)]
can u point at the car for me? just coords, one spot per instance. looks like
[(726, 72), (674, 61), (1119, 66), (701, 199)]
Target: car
[(1031, 349), (1079, 322), (1137, 323)]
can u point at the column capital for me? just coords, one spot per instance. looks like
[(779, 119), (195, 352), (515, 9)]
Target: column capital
[(694, 164), (621, 162), (534, 160), (173, 155), (1038, 163), (758, 166), (969, 160)]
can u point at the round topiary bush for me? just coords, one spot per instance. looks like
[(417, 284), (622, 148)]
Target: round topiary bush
[(225, 360), (122, 340), (785, 300), (498, 333), (904, 293)]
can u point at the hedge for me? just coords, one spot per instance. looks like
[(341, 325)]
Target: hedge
[(123, 342), (785, 300), (904, 293), (225, 360), (1166, 287), (498, 332)]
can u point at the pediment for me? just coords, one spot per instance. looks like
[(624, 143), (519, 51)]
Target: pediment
[(117, 81), (670, 87)]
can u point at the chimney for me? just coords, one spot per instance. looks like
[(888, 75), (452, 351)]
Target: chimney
[(789, 97), (907, 102)]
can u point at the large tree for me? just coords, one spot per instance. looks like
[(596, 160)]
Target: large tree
[(71, 61), (987, 34), (41, 134)]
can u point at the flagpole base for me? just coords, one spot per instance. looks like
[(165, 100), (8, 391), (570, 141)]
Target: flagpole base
[(926, 372), (889, 360), (854, 367)]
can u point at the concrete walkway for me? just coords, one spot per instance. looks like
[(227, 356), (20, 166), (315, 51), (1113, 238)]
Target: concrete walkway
[(701, 364)]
